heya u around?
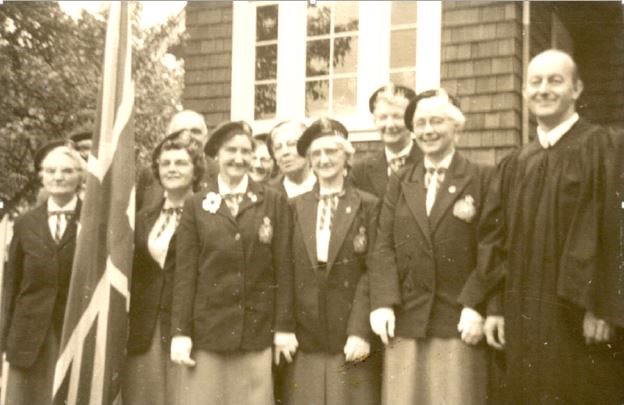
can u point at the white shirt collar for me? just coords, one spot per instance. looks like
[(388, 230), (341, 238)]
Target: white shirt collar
[(241, 188), (294, 189), (444, 164), (70, 206), (403, 152), (550, 138)]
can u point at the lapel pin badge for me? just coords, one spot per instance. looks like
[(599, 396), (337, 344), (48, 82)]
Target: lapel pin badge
[(452, 189), (348, 210), (265, 233), (360, 241)]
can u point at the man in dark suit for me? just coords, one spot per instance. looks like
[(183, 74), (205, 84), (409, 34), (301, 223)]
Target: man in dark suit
[(387, 105), (425, 250)]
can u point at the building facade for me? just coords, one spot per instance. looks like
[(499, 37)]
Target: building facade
[(265, 61)]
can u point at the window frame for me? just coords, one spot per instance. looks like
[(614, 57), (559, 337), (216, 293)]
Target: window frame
[(373, 60)]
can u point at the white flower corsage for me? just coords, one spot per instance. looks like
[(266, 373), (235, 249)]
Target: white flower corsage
[(465, 209), (212, 202), (252, 196)]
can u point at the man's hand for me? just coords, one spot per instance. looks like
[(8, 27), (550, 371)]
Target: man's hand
[(494, 329), (356, 349), (382, 322), (596, 330), (470, 326), (181, 351), (285, 343)]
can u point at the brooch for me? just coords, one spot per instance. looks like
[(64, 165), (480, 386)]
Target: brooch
[(252, 196), (265, 233), (212, 202), (464, 209), (359, 241)]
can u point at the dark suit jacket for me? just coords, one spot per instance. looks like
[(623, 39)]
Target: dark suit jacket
[(232, 290), (37, 284), (328, 309), (420, 264), (151, 288), (371, 174)]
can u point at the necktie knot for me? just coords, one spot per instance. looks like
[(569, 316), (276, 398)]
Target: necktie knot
[(172, 210), (431, 172), (397, 163), (233, 200), (58, 213)]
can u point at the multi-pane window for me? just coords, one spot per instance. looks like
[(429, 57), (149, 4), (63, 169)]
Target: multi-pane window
[(265, 81), (331, 58), (403, 43)]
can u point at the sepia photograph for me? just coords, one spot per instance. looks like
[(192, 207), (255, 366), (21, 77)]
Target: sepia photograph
[(311, 202)]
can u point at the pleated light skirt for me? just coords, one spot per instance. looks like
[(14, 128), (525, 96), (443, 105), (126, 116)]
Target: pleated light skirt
[(325, 379), (228, 379), (434, 371), (151, 378)]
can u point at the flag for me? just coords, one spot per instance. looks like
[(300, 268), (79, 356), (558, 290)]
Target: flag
[(88, 370)]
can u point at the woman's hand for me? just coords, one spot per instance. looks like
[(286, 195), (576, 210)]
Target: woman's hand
[(356, 349), (470, 326), (382, 323), (181, 351), (286, 344)]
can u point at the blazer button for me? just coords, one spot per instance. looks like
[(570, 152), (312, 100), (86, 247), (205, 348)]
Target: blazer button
[(237, 236)]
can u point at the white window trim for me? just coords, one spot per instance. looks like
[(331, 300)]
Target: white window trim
[(373, 60)]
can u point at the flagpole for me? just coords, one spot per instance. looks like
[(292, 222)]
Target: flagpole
[(4, 240)]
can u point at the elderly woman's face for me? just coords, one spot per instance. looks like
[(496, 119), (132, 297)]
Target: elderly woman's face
[(435, 132), (60, 174), (176, 169), (261, 164), (327, 158), (234, 157), (285, 149)]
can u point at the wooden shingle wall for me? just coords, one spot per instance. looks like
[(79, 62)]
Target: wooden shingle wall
[(482, 66), (208, 59)]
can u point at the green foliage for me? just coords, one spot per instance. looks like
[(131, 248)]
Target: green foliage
[(50, 69)]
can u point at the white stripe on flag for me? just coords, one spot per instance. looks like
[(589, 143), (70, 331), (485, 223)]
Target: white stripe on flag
[(118, 280)]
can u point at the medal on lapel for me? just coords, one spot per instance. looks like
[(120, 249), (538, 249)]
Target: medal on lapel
[(360, 243), (265, 233), (212, 202)]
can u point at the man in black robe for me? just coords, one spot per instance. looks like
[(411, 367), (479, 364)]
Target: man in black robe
[(549, 248)]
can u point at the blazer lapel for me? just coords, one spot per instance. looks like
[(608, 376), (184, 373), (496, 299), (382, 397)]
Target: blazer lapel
[(348, 206), (145, 222), (71, 228), (415, 193), (378, 172), (42, 228), (454, 183), (306, 208), (253, 196), (223, 210)]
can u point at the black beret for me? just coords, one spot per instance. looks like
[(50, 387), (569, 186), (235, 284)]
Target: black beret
[(43, 151), (395, 89), (220, 133), (81, 135), (319, 128), (411, 107)]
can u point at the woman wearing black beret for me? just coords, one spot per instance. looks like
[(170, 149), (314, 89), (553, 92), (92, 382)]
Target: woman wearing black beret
[(232, 295)]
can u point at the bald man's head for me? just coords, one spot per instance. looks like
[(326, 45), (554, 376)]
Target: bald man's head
[(190, 121), (552, 88)]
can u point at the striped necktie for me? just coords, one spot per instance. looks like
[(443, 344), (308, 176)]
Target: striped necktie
[(433, 180), (60, 214), (169, 213), (233, 200)]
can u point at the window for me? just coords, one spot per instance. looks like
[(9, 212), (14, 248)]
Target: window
[(331, 58), (328, 58), (265, 80), (403, 43)]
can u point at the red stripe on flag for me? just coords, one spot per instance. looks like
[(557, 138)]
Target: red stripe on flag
[(95, 328)]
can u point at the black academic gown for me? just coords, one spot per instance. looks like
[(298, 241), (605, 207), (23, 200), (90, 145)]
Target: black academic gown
[(545, 242)]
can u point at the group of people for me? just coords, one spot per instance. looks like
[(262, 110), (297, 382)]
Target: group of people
[(276, 269)]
